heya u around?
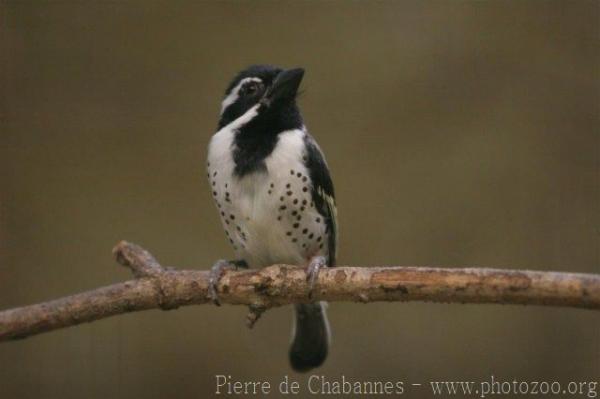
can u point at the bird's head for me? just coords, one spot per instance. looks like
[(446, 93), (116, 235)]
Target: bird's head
[(273, 90)]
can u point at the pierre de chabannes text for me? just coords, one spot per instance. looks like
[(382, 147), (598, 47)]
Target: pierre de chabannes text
[(341, 385)]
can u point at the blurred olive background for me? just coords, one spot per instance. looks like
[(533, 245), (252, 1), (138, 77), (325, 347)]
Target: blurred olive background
[(458, 133)]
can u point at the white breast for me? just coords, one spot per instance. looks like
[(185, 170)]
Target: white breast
[(268, 216)]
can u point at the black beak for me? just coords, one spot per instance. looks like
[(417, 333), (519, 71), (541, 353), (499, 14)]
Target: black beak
[(285, 86)]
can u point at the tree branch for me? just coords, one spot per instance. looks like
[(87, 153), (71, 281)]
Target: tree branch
[(277, 285)]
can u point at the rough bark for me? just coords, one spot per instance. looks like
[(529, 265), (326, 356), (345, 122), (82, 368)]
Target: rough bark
[(277, 285)]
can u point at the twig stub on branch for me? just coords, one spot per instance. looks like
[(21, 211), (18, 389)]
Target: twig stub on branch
[(140, 261)]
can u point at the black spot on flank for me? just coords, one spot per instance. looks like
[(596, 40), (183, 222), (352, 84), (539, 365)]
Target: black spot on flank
[(278, 217), (214, 193), (231, 241), (208, 164), (321, 246), (319, 238), (302, 209), (295, 201), (287, 185), (305, 189), (294, 239), (289, 233), (232, 217), (303, 245), (294, 213), (318, 220), (214, 183), (304, 231), (298, 174), (269, 192), (299, 217), (282, 208), (226, 221), (320, 183), (226, 184), (289, 193), (310, 236), (281, 198), (238, 228), (304, 178), (226, 233), (222, 213), (214, 174), (303, 202), (292, 172), (296, 225), (272, 185)]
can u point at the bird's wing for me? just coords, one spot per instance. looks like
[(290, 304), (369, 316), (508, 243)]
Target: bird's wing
[(322, 192)]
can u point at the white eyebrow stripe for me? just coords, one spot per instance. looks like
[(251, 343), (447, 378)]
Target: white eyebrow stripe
[(234, 94)]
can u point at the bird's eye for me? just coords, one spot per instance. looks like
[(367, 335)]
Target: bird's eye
[(250, 89)]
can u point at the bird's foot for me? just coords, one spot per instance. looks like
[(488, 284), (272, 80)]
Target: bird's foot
[(312, 272), (216, 273)]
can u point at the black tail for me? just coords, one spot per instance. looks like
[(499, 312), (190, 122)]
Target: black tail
[(311, 337)]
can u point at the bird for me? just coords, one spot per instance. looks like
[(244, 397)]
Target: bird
[(274, 193)]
